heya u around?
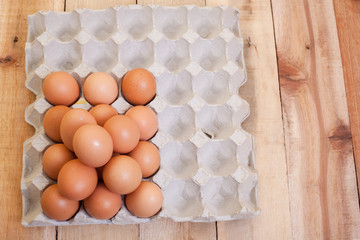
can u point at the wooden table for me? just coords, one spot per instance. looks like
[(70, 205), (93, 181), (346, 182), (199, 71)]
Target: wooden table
[(303, 65)]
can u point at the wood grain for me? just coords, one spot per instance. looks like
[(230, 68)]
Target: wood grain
[(73, 4), (167, 229), (347, 13), (104, 232), (265, 123), (172, 2), (322, 183), (129, 232), (14, 130)]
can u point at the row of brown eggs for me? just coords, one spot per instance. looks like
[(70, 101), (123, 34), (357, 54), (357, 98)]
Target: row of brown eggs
[(100, 155)]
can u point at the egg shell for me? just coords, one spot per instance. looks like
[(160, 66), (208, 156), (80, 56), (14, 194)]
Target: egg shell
[(52, 120), (147, 156), (145, 201), (60, 88), (71, 121), (76, 180), (102, 203), (145, 119), (93, 145), (102, 113), (57, 207), (138, 86), (100, 87), (54, 159), (122, 174), (124, 132), (100, 170)]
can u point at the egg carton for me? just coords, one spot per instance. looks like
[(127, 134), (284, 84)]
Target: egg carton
[(207, 170)]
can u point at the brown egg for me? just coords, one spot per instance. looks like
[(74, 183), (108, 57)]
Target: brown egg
[(54, 158), (138, 86), (124, 132), (145, 119), (148, 157), (71, 121), (57, 207), (52, 120), (102, 204), (102, 113), (60, 88), (77, 181), (145, 201), (93, 145), (122, 174), (100, 88)]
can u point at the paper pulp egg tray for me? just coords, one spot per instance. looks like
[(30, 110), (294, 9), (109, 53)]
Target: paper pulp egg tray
[(207, 170)]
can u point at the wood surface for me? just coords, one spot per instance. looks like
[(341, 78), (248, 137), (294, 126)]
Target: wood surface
[(13, 128), (299, 118), (347, 13), (324, 203)]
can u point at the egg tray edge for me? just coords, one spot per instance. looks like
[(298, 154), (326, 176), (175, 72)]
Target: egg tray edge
[(231, 186)]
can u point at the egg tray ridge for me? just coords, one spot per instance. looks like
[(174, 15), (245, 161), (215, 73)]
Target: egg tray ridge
[(207, 170)]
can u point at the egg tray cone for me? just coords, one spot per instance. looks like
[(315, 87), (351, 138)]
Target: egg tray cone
[(207, 170)]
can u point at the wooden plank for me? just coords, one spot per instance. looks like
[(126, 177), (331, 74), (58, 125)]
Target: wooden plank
[(105, 232), (166, 228), (324, 203), (72, 4), (347, 15), (14, 130), (98, 231), (172, 2), (265, 123)]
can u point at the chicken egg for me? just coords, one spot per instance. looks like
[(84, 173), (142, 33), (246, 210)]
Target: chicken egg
[(60, 88), (93, 145), (71, 121), (102, 203), (52, 120), (148, 157), (57, 207), (138, 86), (100, 88), (76, 180), (145, 201), (122, 174), (102, 113), (145, 119), (54, 158), (124, 132)]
